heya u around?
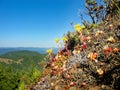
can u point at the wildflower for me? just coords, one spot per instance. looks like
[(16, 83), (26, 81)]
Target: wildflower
[(84, 84), (110, 26), (57, 40), (52, 84), (116, 49), (53, 64), (88, 38), (100, 71), (64, 39), (49, 51), (84, 46), (102, 63), (67, 76), (93, 56), (72, 83), (111, 39), (63, 69), (84, 38), (88, 56), (78, 27), (99, 33), (106, 46), (107, 50), (52, 72), (75, 52), (55, 67)]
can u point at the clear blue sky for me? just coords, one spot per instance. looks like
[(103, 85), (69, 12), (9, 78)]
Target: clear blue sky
[(36, 23)]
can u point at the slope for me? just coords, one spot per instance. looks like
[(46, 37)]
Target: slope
[(20, 59)]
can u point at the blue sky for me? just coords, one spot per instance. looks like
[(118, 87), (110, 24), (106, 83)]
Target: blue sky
[(36, 23)]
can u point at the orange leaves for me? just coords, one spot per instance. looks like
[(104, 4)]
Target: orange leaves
[(93, 56)]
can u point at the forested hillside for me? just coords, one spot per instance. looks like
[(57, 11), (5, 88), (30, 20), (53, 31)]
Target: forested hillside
[(20, 59), (20, 68)]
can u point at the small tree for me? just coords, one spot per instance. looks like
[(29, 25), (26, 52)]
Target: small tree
[(96, 11), (100, 10)]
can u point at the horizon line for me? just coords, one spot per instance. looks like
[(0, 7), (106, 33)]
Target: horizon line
[(28, 47)]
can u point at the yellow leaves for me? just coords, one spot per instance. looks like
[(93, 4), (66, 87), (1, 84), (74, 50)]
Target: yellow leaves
[(111, 39), (64, 39), (49, 51), (57, 40), (78, 27), (100, 71)]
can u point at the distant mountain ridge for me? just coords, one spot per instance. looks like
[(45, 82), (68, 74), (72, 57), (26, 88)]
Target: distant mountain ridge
[(19, 54), (21, 58), (39, 50)]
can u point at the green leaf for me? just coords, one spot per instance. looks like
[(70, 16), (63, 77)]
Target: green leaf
[(22, 85)]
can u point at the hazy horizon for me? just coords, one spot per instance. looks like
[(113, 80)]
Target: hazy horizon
[(27, 47)]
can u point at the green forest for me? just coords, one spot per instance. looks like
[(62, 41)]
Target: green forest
[(19, 68)]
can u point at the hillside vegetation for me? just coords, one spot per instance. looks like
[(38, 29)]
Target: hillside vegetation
[(19, 68), (23, 58), (90, 59)]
